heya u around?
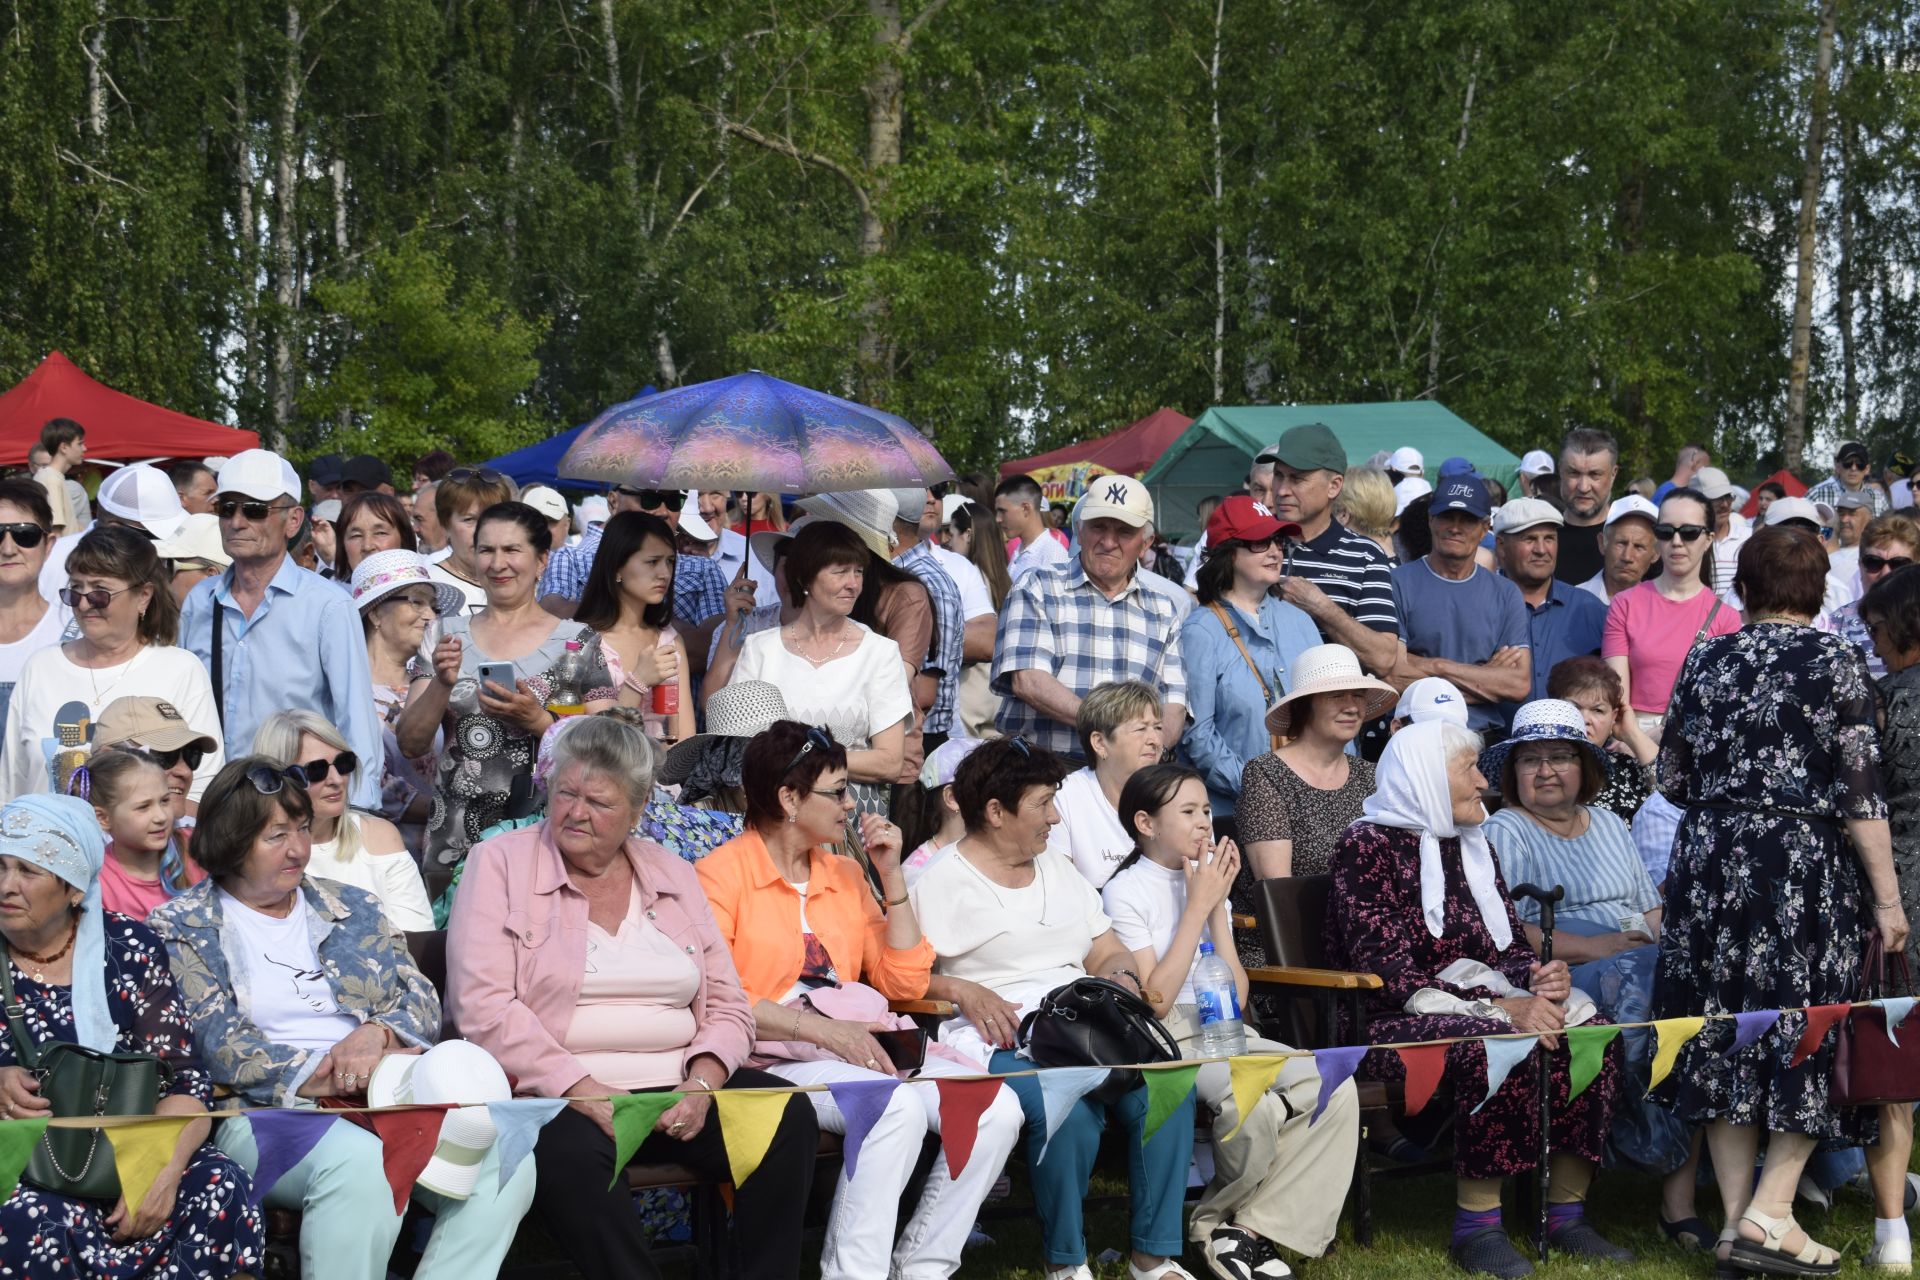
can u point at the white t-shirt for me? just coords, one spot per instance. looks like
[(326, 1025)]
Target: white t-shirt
[(975, 599), (1043, 550), (53, 574), (1144, 902), (1089, 833), (394, 878), (475, 593), (1596, 586), (287, 993), (56, 701), (13, 656), (854, 696)]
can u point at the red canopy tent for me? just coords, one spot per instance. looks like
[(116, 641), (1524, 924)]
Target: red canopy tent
[(1786, 479), (1128, 451), (119, 426)]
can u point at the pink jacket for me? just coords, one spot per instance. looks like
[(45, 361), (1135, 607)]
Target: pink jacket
[(517, 951)]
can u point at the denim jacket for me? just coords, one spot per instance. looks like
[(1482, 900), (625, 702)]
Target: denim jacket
[(367, 964)]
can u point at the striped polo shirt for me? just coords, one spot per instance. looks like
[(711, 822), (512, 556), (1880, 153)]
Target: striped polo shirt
[(1353, 571)]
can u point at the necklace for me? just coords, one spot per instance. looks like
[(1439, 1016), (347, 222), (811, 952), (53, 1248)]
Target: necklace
[(799, 646), (126, 669), (1777, 617), (38, 974)]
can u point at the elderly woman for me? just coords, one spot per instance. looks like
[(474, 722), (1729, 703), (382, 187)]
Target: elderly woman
[(1009, 920), (296, 989), (369, 523), (588, 962), (1418, 900), (90, 977), (1889, 543), (399, 604), (819, 958), (1594, 689), (1771, 750), (1121, 730)]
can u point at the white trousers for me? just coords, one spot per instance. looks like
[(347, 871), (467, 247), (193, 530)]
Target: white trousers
[(859, 1243)]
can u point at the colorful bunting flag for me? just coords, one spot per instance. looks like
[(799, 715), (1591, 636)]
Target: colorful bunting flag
[(1060, 1088), (1252, 1076), (1167, 1088), (1896, 1009), (748, 1121), (282, 1137), (961, 1102), (1425, 1065), (407, 1139), (1586, 1051), (1749, 1027), (1502, 1057), (860, 1103), (18, 1138), (1336, 1068), (517, 1123), (634, 1115), (1670, 1034), (1820, 1020), (141, 1150)]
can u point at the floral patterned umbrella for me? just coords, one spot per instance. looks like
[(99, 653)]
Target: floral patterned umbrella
[(752, 433)]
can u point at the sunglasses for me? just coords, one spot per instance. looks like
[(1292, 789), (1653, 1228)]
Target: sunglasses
[(486, 475), (269, 781), (1875, 564), (649, 498), (836, 794), (96, 599), (192, 754), (1851, 463), (1687, 532), (316, 770), (225, 508), (815, 738), (25, 536)]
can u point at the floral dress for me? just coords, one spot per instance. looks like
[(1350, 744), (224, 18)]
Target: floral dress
[(1627, 787), (1900, 763), (1374, 924), (213, 1230), (1770, 747)]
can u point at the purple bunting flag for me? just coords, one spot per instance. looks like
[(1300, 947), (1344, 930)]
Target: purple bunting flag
[(860, 1103), (1336, 1068), (1749, 1027), (283, 1138)]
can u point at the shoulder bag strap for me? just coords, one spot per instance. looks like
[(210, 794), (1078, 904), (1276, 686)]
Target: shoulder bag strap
[(23, 1046), (1233, 633), (1712, 613), (219, 676)]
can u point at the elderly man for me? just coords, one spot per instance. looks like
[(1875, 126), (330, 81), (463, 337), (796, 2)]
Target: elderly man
[(427, 529), (1852, 509), (1089, 621), (729, 551), (1589, 463), (1687, 465), (1850, 472), (273, 635), (1562, 621), (1627, 548), (1459, 621)]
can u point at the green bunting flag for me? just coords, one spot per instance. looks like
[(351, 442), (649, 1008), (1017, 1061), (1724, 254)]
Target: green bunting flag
[(634, 1115), (18, 1138), (1167, 1088), (1586, 1050)]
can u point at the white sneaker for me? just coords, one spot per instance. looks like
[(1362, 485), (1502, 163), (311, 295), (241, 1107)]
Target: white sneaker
[(1892, 1258), (1168, 1270), (1078, 1271)]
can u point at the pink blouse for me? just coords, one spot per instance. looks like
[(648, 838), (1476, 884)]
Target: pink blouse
[(633, 1017)]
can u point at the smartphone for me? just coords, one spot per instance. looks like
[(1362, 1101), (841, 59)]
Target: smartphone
[(906, 1049), (501, 673)]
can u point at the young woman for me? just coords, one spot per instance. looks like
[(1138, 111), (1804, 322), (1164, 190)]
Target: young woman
[(128, 792), (29, 622), (628, 601), (1283, 1179)]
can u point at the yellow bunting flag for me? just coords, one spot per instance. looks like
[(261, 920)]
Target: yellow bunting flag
[(141, 1150), (1673, 1032), (748, 1120), (1251, 1078)]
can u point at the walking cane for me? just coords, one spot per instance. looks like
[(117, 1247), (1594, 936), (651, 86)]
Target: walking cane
[(1542, 1068)]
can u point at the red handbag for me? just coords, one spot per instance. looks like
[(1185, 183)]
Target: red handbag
[(1869, 1066)]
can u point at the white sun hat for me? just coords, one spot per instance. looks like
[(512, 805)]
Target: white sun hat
[(453, 1071), (1328, 668)]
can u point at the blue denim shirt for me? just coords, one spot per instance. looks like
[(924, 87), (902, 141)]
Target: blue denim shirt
[(1229, 712)]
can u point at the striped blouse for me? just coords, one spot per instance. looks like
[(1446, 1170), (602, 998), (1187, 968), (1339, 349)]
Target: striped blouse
[(1601, 869)]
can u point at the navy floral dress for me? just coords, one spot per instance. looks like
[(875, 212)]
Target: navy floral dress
[(213, 1230), (1374, 924), (1769, 746)]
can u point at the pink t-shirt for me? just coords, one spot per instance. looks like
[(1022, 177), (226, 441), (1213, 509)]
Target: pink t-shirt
[(126, 893), (1654, 634)]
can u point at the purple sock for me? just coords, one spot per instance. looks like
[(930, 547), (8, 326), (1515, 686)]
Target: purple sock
[(1561, 1215), (1467, 1221)]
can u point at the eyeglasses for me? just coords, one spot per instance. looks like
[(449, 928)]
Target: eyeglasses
[(316, 770), (192, 754), (837, 794), (486, 475), (649, 498), (269, 781), (1264, 544), (25, 536), (98, 598), (815, 738), (1555, 760), (1687, 532), (255, 511), (1874, 564)]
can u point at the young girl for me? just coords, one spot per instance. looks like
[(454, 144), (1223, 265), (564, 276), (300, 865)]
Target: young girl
[(128, 791), (930, 822), (1281, 1181)]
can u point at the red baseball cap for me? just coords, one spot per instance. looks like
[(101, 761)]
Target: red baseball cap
[(1242, 518)]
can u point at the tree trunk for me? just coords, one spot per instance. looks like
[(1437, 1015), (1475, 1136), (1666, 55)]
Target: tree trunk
[(96, 71), (1793, 435), (623, 141), (886, 108), (663, 360), (1453, 208), (1630, 213), (285, 180), (1846, 285), (249, 243), (1219, 227)]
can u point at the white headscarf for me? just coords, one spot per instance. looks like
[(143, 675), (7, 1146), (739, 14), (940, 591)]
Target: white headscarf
[(1411, 793)]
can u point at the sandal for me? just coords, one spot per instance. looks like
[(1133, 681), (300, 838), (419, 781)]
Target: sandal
[(1768, 1256), (1690, 1234)]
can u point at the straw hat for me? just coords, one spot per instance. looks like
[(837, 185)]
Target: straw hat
[(385, 572), (868, 512), (1328, 668), (743, 710)]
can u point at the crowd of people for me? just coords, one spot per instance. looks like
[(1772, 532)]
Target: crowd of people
[(702, 786)]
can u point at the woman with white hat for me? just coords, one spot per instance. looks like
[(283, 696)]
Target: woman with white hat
[(193, 554)]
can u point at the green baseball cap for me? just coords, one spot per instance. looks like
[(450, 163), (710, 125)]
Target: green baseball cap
[(1312, 446)]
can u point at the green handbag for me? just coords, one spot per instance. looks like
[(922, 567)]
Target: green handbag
[(79, 1081)]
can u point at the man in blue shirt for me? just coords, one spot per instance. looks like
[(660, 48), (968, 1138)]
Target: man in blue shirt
[(1563, 621), (288, 638), (1461, 622)]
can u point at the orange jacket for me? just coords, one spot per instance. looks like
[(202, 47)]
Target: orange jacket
[(759, 916)]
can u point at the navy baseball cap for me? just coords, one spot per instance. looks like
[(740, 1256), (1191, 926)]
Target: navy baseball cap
[(1457, 466), (1461, 493)]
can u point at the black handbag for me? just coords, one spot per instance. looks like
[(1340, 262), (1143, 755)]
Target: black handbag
[(79, 1081), (1092, 1022)]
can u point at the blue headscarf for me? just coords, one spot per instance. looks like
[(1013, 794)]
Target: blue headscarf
[(62, 835)]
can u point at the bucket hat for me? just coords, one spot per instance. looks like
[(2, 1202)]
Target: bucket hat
[(868, 512), (1328, 668)]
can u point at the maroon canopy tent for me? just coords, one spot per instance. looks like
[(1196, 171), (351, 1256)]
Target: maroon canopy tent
[(1128, 451)]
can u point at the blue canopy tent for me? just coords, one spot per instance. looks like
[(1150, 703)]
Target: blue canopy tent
[(538, 463)]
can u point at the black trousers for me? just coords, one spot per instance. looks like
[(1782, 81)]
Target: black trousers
[(600, 1230)]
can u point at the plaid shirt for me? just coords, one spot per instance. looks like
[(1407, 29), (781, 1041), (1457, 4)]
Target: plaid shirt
[(946, 654), (1830, 489), (568, 567), (699, 582), (1055, 620)]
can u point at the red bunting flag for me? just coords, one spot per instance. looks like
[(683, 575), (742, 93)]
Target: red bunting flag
[(961, 1103), (407, 1139), (1821, 1019), (1425, 1065)]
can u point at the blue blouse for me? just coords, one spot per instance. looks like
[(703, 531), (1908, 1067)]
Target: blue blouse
[(1228, 724)]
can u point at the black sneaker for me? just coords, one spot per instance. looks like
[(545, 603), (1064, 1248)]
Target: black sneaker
[(1489, 1252), (1233, 1254), (1579, 1239)]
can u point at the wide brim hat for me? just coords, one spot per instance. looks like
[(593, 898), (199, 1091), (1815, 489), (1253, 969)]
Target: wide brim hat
[(868, 512), (1542, 720), (763, 543), (453, 1071), (743, 710), (1329, 668), (385, 572)]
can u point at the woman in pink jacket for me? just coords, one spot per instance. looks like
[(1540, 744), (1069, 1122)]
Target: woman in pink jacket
[(588, 962)]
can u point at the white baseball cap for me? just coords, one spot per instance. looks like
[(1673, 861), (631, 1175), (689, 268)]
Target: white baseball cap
[(1784, 509), (1712, 483), (1121, 498), (591, 511), (1407, 490), (143, 494), (1632, 505), (691, 522), (1432, 698), (259, 474), (1538, 462), (1524, 513), (456, 1071), (1407, 460), (950, 504), (197, 538), (546, 500)]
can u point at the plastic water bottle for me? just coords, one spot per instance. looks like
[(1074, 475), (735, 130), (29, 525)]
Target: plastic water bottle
[(1222, 1033), (568, 682)]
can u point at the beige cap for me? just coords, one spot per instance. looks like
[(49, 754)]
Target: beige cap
[(546, 500), (198, 538), (151, 722)]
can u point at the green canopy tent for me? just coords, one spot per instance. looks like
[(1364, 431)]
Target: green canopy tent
[(1212, 455)]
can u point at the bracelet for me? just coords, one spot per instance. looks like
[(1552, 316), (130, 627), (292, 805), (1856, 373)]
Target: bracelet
[(626, 682), (795, 1034), (1885, 906), (900, 901), (1127, 973), (699, 1080)]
